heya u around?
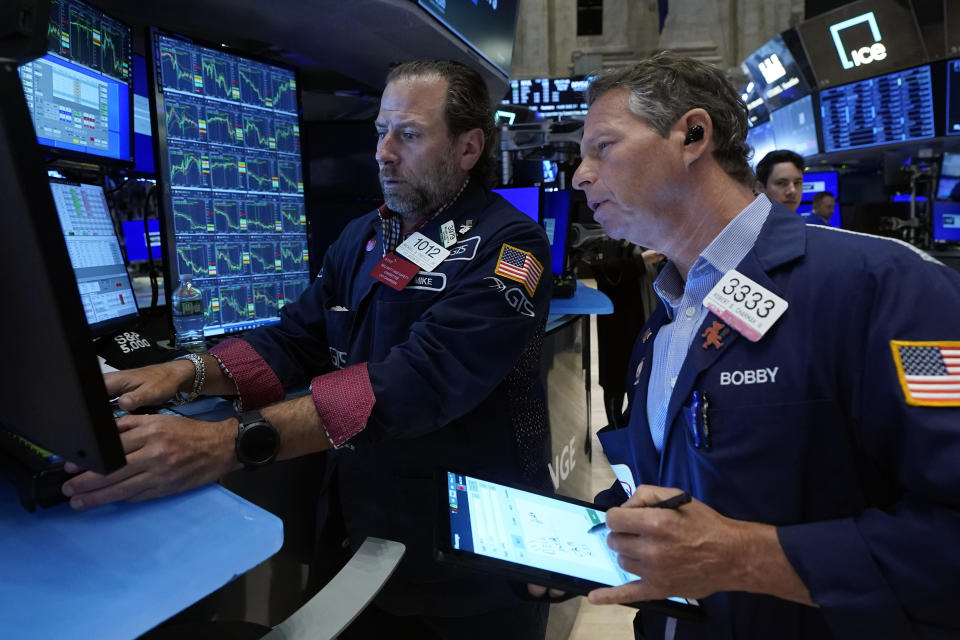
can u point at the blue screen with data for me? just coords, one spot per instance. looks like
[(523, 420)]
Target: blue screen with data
[(79, 93), (892, 108), (233, 174)]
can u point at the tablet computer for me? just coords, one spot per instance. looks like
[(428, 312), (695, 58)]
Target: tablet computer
[(533, 538)]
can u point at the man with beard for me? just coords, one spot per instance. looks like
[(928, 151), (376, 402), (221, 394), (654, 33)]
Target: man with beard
[(420, 342)]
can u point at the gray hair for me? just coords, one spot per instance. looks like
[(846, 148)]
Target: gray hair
[(666, 86)]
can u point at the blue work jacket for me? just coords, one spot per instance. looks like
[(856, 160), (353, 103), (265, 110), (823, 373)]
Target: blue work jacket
[(810, 431), (453, 361)]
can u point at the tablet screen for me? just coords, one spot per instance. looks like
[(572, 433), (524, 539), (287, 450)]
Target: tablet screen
[(518, 526), (546, 540)]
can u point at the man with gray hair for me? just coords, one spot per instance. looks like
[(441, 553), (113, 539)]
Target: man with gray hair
[(822, 456), (415, 359)]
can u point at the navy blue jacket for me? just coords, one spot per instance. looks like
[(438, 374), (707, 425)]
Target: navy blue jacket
[(864, 488), (453, 362)]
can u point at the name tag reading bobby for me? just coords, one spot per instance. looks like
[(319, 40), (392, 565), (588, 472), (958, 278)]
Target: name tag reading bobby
[(745, 305), (422, 251)]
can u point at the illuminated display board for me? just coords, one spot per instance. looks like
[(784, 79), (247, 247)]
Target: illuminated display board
[(896, 107), (862, 39)]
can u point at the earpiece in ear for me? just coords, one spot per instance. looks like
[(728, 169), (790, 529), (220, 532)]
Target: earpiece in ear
[(694, 133)]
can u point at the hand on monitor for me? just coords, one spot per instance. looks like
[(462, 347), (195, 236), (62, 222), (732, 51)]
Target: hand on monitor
[(165, 454)]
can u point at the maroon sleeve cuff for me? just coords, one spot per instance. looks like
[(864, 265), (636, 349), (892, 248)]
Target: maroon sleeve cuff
[(256, 382), (344, 400)]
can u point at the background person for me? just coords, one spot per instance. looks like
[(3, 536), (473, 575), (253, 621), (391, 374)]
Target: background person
[(780, 177), (823, 205)]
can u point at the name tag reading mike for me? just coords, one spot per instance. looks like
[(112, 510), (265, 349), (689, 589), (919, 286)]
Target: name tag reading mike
[(422, 251), (745, 305)]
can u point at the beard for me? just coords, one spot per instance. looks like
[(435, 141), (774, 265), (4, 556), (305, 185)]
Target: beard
[(418, 196)]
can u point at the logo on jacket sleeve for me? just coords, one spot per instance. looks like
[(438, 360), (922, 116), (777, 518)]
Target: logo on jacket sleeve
[(929, 372), (520, 266)]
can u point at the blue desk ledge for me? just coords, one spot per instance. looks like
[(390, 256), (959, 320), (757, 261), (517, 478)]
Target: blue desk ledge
[(585, 300), (116, 571)]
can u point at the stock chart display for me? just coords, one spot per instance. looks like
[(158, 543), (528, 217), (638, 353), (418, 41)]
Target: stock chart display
[(79, 93), (234, 175), (895, 107)]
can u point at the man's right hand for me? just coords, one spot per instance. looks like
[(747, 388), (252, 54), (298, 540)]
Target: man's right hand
[(165, 454), (152, 385)]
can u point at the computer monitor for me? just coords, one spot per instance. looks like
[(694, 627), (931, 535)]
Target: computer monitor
[(135, 240), (757, 111), (948, 186), (776, 73), (862, 39), (550, 97), (79, 93), (488, 27), (761, 140), (143, 154), (946, 222), (892, 108), (815, 182), (231, 181), (55, 398), (98, 265), (556, 222), (527, 199), (795, 128)]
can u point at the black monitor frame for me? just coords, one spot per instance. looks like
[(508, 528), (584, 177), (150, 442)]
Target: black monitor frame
[(73, 156), (118, 323), (56, 398), (167, 227)]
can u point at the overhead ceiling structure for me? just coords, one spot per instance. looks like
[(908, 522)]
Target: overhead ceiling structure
[(343, 48)]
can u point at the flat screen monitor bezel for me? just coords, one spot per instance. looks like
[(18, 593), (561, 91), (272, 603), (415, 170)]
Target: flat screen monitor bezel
[(820, 43), (505, 69), (57, 153), (167, 230), (106, 327), (937, 122), (446, 552), (79, 425)]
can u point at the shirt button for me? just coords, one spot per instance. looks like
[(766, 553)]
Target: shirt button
[(673, 381), (691, 311)]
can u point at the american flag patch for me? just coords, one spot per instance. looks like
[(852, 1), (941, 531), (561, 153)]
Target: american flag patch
[(519, 265), (929, 372)]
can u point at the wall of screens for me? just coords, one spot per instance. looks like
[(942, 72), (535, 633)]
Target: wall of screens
[(232, 176)]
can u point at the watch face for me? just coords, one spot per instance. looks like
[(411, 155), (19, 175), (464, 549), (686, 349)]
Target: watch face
[(258, 444)]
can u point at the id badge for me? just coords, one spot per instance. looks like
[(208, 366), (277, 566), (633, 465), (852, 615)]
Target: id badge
[(746, 306), (422, 251)]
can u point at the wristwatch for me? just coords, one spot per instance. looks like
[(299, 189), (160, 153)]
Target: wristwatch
[(257, 440)]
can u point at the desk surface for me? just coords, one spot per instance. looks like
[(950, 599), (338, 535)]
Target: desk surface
[(585, 300), (116, 571)]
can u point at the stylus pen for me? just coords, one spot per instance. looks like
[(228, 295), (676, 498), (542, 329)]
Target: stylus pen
[(674, 502)]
